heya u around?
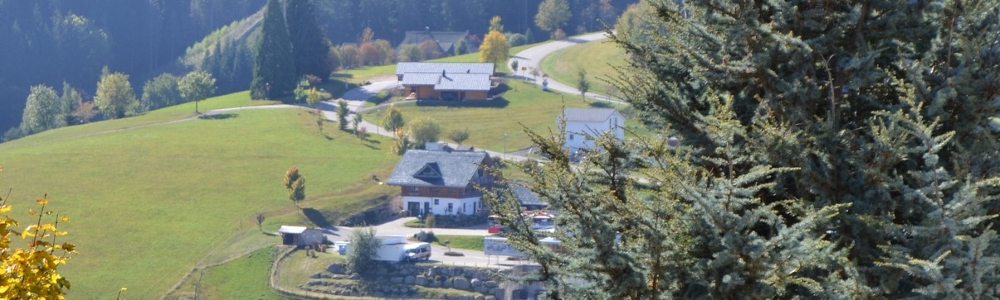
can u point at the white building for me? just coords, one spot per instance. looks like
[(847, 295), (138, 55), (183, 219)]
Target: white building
[(592, 122), (442, 182)]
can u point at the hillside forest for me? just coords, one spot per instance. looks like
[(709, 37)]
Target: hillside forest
[(65, 45)]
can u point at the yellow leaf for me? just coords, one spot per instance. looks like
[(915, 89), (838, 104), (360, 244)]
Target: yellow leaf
[(42, 201), (31, 212), (64, 219), (124, 289), (27, 232)]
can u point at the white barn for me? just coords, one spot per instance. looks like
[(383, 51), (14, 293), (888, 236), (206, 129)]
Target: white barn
[(581, 122)]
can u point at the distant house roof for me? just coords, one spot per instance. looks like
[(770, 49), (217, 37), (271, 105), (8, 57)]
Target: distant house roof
[(454, 169), (447, 76), (421, 78), (463, 82), (445, 39), (449, 68), (525, 196), (291, 229), (588, 114)]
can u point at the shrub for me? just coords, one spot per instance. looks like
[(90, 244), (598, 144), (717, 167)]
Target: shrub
[(430, 221), (361, 253), (516, 39)]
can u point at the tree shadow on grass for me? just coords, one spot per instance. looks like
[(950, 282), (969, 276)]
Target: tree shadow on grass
[(600, 104), (316, 217), (219, 116)]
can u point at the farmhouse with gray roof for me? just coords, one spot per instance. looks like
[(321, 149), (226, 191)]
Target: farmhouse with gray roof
[(445, 81), (583, 124), (442, 182)]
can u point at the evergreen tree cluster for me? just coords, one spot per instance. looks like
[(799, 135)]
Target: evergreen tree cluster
[(231, 63), (47, 42), (826, 150), (287, 49)]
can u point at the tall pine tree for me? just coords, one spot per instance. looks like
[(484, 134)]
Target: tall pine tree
[(274, 73), (309, 43), (881, 106), (837, 149)]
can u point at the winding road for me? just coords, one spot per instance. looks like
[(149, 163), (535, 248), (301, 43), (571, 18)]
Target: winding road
[(532, 59)]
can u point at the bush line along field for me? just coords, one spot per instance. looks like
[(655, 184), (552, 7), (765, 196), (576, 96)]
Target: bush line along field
[(148, 203)]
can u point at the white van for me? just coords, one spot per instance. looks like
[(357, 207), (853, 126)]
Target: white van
[(418, 251)]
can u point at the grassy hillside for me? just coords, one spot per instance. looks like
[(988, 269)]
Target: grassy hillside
[(149, 200), (596, 58)]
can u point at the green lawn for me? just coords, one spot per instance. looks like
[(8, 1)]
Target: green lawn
[(526, 104), (597, 58), (460, 241), (243, 278), (148, 204), (297, 268)]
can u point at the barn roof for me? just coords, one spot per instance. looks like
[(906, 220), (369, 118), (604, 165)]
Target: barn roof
[(405, 68), (450, 81)]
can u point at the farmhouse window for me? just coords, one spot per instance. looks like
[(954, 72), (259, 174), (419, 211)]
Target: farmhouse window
[(414, 189), (571, 137), (434, 190), (436, 201)]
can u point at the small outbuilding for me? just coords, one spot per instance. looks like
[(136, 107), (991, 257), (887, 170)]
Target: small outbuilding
[(300, 236)]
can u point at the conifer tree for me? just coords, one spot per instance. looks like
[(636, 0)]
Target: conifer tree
[(879, 105), (687, 233), (309, 45), (837, 150), (274, 67)]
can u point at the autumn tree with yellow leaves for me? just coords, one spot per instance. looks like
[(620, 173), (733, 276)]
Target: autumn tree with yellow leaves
[(32, 272), (494, 48)]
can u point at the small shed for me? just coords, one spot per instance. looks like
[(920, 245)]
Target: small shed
[(300, 236)]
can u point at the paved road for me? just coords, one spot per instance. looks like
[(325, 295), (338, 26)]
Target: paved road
[(533, 56)]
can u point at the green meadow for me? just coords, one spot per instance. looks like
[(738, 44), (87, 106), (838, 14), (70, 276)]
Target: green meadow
[(597, 58), (499, 126), (154, 196)]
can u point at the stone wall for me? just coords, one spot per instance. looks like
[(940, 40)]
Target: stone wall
[(402, 280)]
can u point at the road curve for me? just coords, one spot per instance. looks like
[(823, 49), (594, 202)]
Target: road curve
[(532, 58)]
